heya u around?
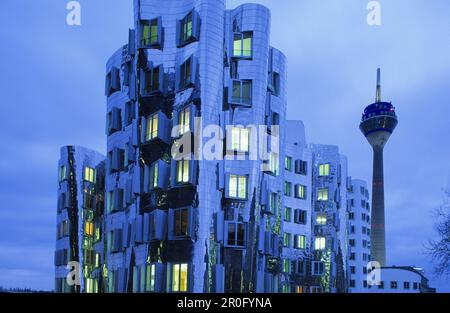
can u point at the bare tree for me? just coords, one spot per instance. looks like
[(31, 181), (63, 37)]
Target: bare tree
[(439, 249)]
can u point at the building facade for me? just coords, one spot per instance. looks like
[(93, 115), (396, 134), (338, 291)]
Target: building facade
[(358, 235), (79, 245)]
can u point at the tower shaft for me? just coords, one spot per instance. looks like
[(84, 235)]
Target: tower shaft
[(377, 236)]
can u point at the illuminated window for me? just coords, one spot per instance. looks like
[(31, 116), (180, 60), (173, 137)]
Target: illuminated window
[(237, 187), (286, 266), (150, 278), (300, 191), (152, 127), (97, 259), (240, 139), (324, 169), (242, 45), (180, 277), (154, 170), (287, 240), (184, 120), (89, 229), (186, 28), (62, 173), (150, 32), (300, 242), (322, 194), (274, 163), (89, 174), (319, 243), (287, 214), (321, 219), (181, 222), (151, 80), (183, 171), (288, 163), (242, 92)]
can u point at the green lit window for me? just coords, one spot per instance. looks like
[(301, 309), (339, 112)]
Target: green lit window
[(321, 219), (322, 194), (150, 32), (286, 266), (287, 240), (242, 45), (319, 243), (300, 242), (287, 214), (237, 187), (240, 139), (62, 173), (288, 163), (324, 169), (154, 175), (89, 174), (186, 28), (183, 171), (152, 127), (274, 163), (242, 92), (150, 278), (184, 120), (300, 191), (180, 277)]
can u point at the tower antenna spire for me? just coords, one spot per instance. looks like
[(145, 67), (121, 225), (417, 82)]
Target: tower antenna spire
[(378, 97)]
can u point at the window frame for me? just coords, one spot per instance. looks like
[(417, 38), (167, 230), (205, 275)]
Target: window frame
[(241, 37)]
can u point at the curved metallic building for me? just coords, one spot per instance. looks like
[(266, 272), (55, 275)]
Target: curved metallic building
[(378, 122)]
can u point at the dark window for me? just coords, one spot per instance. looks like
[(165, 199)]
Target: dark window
[(287, 189), (181, 222), (186, 74), (406, 285), (393, 285), (301, 167), (236, 234), (151, 80), (242, 92)]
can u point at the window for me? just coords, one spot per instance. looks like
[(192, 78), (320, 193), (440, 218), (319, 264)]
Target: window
[(361, 189), (274, 163), (381, 285), (287, 240), (62, 173), (180, 277), (300, 242), (152, 80), (181, 222), (415, 286), (184, 120), (393, 285), (351, 216), (324, 169), (301, 167), (236, 234), (287, 214), (242, 92), (352, 269), (274, 83), (186, 28), (150, 277), (129, 113), (240, 139), (321, 219), (152, 127), (319, 243), (89, 174), (150, 33), (242, 45), (273, 202), (322, 194), (300, 192), (154, 172), (406, 285), (286, 266), (89, 229), (288, 163), (186, 74), (287, 188), (301, 216), (352, 256), (183, 171), (318, 268), (351, 242), (352, 228), (352, 283), (238, 187)]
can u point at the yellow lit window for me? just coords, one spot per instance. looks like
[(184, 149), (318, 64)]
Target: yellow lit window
[(89, 174), (321, 219), (184, 121), (237, 187), (319, 243), (180, 277), (301, 192), (301, 242), (152, 127), (324, 169), (322, 194), (183, 171), (89, 228)]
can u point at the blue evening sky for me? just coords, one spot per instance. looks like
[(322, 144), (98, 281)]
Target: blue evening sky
[(52, 94)]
